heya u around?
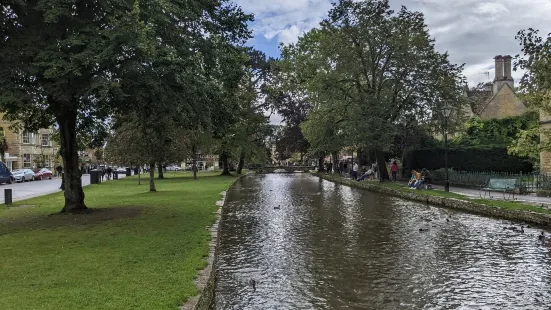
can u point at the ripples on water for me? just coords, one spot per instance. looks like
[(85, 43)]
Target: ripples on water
[(335, 247)]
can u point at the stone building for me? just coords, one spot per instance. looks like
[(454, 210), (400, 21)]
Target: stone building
[(90, 156), (497, 99), (29, 149)]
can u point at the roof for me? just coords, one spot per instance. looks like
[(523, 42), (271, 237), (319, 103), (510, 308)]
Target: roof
[(487, 102), (481, 98)]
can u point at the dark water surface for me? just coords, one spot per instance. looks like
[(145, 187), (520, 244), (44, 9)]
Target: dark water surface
[(334, 247)]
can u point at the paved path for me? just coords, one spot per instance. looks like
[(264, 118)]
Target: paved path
[(495, 195), (21, 191)]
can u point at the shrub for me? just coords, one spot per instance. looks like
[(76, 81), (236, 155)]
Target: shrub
[(467, 159), (543, 193)]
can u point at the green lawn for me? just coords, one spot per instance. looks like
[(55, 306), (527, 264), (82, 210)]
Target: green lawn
[(506, 204), (141, 250)]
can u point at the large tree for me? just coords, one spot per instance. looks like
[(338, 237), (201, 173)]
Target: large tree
[(535, 85), (535, 90), (371, 67), (133, 144), (65, 63), (55, 63)]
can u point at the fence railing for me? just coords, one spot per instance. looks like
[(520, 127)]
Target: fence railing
[(529, 183)]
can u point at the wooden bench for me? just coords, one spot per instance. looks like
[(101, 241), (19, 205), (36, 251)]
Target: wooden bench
[(500, 185)]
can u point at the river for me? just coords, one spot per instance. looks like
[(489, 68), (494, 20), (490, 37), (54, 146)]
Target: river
[(329, 246)]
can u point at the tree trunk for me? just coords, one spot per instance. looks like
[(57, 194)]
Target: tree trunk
[(321, 167), (225, 164), (335, 161), (74, 195), (139, 177), (152, 177), (383, 172), (241, 163), (194, 168), (161, 173), (194, 164)]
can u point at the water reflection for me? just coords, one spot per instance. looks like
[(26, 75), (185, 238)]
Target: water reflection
[(333, 247)]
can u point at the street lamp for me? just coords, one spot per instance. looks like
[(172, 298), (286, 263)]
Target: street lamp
[(446, 111)]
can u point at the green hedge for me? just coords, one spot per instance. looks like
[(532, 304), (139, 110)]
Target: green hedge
[(543, 193), (467, 159)]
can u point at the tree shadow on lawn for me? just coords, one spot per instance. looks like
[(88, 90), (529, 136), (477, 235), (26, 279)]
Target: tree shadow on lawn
[(29, 222), (190, 177)]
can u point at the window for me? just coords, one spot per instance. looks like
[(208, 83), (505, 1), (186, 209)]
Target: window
[(45, 140), (26, 160), (26, 138)]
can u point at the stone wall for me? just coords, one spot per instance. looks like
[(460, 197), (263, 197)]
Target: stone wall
[(545, 156), (205, 280), (518, 215)]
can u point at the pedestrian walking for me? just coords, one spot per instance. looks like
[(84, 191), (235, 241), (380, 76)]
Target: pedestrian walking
[(394, 170), (355, 169), (59, 170)]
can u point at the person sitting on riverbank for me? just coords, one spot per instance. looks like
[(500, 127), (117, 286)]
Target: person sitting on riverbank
[(415, 176), (425, 179), (422, 178), (368, 173)]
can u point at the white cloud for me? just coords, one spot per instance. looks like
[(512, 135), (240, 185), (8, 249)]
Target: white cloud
[(289, 35), (472, 31)]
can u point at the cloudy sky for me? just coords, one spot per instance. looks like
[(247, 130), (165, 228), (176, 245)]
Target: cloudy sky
[(472, 31)]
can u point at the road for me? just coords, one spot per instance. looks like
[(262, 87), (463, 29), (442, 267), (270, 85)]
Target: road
[(21, 191)]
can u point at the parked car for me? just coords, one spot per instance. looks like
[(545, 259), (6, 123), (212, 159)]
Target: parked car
[(43, 173), (121, 170), (22, 175), (173, 168), (5, 175)]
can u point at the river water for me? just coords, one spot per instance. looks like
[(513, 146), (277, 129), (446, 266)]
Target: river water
[(330, 246)]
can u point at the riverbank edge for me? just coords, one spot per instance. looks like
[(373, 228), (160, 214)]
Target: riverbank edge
[(205, 279), (452, 203)]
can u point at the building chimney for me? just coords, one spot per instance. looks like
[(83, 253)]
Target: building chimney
[(507, 67), (499, 67)]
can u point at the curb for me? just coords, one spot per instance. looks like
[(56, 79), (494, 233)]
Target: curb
[(452, 203), (205, 280)]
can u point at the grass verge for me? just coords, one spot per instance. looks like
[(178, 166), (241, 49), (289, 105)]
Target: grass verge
[(138, 250), (505, 204), (509, 205)]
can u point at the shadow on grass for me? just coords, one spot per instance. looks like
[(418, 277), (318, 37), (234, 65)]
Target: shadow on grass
[(90, 217), (179, 177)]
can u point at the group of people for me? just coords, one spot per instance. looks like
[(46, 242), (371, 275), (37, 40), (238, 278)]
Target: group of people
[(373, 170), (417, 180), (420, 178)]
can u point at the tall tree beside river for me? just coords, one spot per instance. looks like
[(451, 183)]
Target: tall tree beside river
[(368, 67), (64, 63), (535, 89)]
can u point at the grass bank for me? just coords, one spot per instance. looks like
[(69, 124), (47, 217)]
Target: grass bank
[(505, 209), (505, 204), (138, 250)]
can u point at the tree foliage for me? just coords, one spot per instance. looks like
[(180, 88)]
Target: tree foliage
[(364, 70), (535, 61), (496, 132), (77, 65), (535, 90)]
